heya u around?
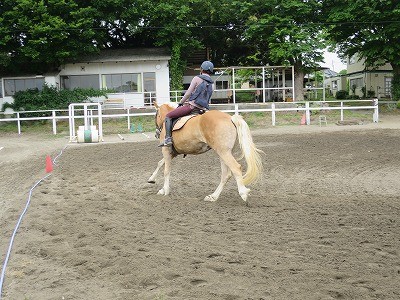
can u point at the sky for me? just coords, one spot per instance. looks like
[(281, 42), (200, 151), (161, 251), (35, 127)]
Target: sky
[(332, 61)]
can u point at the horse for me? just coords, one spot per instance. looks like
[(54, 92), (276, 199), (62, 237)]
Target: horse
[(214, 130)]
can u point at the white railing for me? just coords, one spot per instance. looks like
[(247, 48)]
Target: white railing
[(274, 107), (321, 106)]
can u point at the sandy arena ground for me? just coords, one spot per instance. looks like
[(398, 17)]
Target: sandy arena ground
[(323, 223)]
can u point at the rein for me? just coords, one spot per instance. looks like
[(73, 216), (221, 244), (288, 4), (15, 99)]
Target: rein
[(158, 128)]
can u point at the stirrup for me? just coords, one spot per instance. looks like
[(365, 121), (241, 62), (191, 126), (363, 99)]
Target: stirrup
[(167, 142)]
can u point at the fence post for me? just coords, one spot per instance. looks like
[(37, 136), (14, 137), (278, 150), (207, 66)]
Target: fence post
[(129, 118), (236, 109), (375, 116), (308, 113), (273, 114), (18, 123), (53, 114), (341, 111)]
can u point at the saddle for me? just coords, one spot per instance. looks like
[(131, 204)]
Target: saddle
[(180, 122)]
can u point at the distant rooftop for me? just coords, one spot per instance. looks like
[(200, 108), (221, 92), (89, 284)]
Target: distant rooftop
[(135, 54)]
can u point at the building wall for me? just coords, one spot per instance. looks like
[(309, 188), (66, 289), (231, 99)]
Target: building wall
[(377, 79), (160, 68)]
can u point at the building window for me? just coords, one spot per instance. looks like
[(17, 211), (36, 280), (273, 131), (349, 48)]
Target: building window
[(11, 86), (221, 85), (71, 82), (357, 82), (149, 82), (334, 84), (149, 87), (388, 86), (122, 83)]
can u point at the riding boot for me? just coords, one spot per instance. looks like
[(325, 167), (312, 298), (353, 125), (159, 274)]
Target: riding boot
[(168, 133)]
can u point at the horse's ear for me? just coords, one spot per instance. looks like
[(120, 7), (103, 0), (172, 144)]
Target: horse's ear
[(156, 104)]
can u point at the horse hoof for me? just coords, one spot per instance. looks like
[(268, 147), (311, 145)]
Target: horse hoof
[(151, 181), (245, 195), (209, 198), (163, 192)]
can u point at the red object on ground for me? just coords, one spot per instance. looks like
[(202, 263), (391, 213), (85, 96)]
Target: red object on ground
[(303, 120), (49, 164)]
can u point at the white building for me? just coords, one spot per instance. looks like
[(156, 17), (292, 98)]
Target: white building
[(134, 77)]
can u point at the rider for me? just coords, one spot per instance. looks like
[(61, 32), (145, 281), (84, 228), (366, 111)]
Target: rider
[(196, 99)]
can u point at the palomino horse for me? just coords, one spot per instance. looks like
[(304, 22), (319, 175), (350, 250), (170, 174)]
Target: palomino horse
[(212, 130)]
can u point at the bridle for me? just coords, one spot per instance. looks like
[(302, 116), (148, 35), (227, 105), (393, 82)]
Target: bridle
[(158, 128)]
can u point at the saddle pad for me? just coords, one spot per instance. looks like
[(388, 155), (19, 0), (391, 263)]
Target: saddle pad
[(182, 121)]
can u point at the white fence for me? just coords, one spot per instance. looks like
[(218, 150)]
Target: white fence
[(273, 108)]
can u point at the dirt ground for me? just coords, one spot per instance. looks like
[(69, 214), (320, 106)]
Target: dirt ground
[(323, 223)]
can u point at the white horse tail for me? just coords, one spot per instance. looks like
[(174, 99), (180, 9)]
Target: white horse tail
[(249, 150)]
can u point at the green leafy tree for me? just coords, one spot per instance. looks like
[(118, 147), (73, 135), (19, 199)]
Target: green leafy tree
[(370, 29), (286, 32), (41, 35)]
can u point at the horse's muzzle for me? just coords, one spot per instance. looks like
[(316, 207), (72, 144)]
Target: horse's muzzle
[(158, 132)]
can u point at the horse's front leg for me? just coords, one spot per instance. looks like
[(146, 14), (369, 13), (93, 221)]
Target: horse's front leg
[(225, 175), (152, 178), (167, 170)]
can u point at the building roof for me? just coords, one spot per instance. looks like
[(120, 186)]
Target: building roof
[(330, 73), (135, 54)]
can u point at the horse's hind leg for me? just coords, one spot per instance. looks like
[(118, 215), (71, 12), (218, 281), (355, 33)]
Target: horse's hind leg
[(225, 175), (152, 178), (236, 169)]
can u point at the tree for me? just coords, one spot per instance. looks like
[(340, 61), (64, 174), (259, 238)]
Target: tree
[(370, 29), (41, 35), (186, 26), (285, 32)]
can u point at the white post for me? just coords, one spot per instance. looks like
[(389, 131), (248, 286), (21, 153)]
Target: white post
[(323, 86), (284, 85), (375, 115), (294, 96), (18, 123), (308, 113), (341, 111), (90, 116), (100, 116), (85, 117), (233, 91), (273, 113), (263, 83), (71, 115), (129, 118), (53, 113), (236, 109)]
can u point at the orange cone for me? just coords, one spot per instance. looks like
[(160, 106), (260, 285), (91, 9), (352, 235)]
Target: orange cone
[(303, 120), (49, 164)]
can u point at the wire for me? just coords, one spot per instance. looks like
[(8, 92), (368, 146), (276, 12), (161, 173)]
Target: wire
[(224, 26), (3, 272)]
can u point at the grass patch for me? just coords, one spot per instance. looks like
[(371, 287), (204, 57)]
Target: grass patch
[(254, 119)]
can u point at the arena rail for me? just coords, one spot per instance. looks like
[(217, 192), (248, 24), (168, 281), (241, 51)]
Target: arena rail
[(273, 107)]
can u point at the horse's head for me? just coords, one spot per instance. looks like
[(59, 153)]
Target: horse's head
[(161, 112)]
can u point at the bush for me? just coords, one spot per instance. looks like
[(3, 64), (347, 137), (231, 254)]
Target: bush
[(370, 94), (51, 98), (342, 94)]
